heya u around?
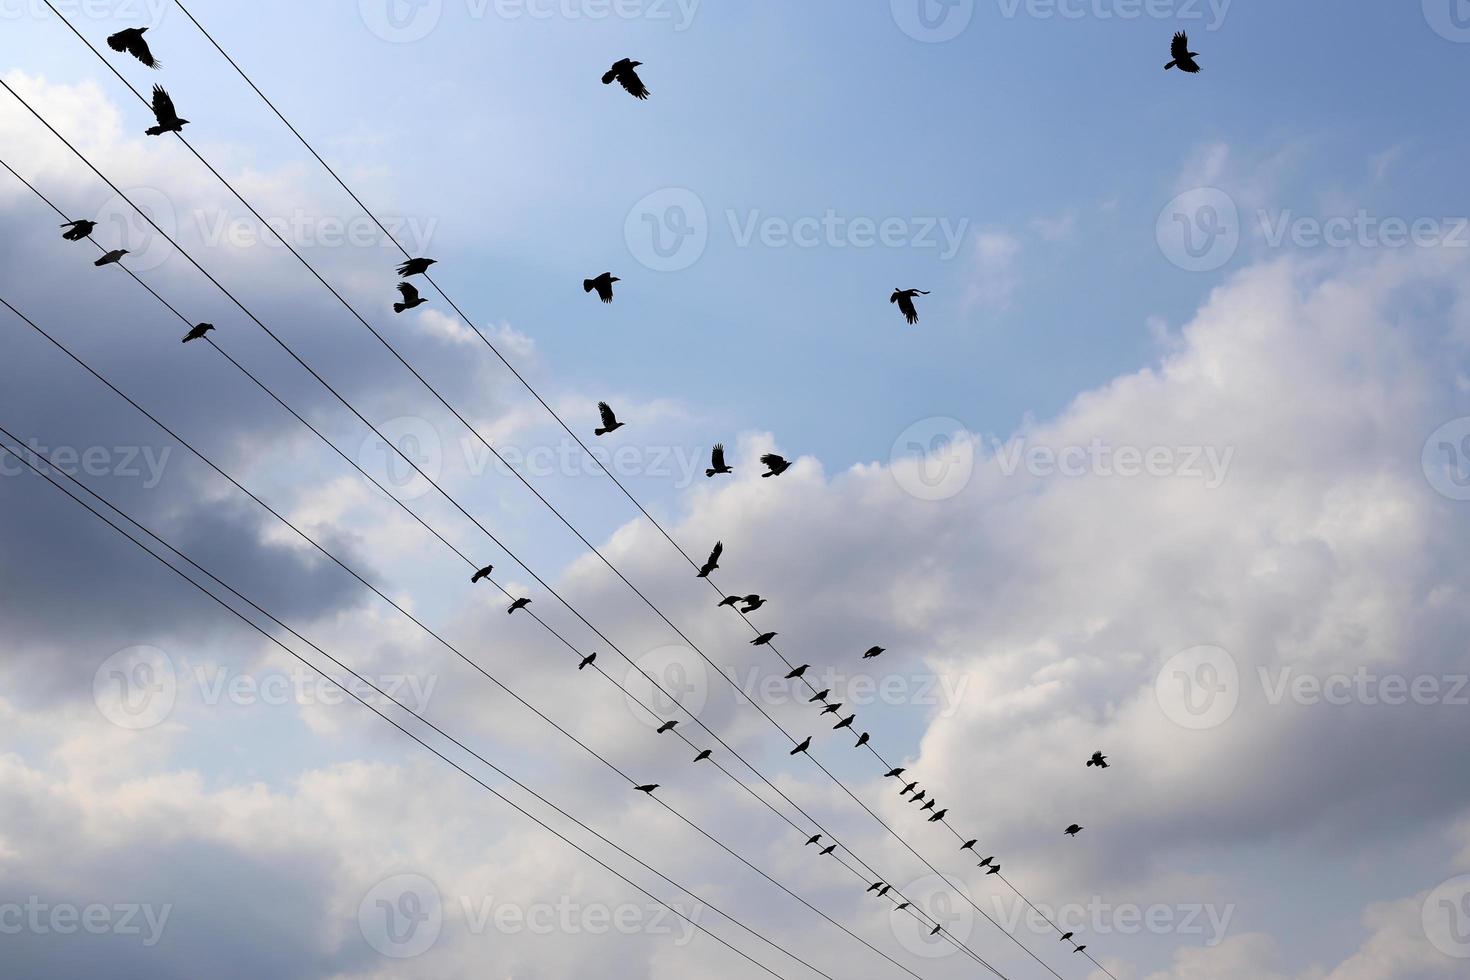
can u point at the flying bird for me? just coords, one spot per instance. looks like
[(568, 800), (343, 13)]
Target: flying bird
[(482, 573), (518, 604), (797, 672), (729, 600), (703, 755), (873, 652), (1099, 760), (938, 816), (905, 300), (806, 743), (667, 726), (862, 740), (603, 285), (819, 696), (415, 267), (894, 772), (717, 461), (131, 42), (1073, 830), (713, 562), (845, 723), (588, 661), (610, 421), (622, 70), (647, 789), (198, 331), (111, 258), (752, 603), (763, 639), (78, 230), (774, 464), (411, 298), (1183, 57), (163, 112)]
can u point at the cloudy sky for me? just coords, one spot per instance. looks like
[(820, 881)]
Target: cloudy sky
[(1173, 466)]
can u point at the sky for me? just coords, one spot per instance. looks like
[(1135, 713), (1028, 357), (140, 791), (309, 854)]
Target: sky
[(1172, 466)]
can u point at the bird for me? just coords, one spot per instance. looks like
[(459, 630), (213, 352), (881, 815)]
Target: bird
[(1183, 57), (78, 230), (603, 285), (994, 870), (1073, 830), (729, 600), (1099, 760), (411, 298), (935, 930), (588, 661), (1081, 949), (845, 723), (717, 463), (111, 258), (482, 573), (828, 850), (197, 332), (905, 300), (415, 267), (774, 464), (969, 845), (900, 906), (610, 421), (875, 886), (806, 743), (832, 709), (1066, 936), (703, 755), (909, 788), (763, 639), (938, 816), (884, 890), (518, 604), (713, 562), (862, 740), (819, 696), (622, 70), (163, 111), (647, 789), (814, 839), (987, 862), (797, 672), (873, 652), (752, 603), (131, 42), (667, 726), (894, 772), (919, 796), (929, 805)]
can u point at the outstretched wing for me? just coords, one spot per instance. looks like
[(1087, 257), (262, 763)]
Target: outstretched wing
[(138, 48), (772, 460), (608, 418), (630, 81), (715, 552), (410, 294), (163, 106), (1180, 48), (717, 456)]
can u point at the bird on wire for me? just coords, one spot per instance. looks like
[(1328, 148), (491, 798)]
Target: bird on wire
[(198, 332)]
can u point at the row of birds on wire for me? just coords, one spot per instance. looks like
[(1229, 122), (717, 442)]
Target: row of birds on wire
[(167, 120)]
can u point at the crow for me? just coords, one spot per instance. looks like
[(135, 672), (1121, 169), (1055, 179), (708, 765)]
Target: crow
[(938, 816), (198, 332), (1081, 949), (588, 661), (647, 789), (1066, 936), (411, 298), (928, 806), (935, 930), (482, 573), (883, 891), (893, 772), (875, 886), (806, 743), (828, 850), (862, 740), (603, 285), (909, 788), (131, 42), (1183, 57), (622, 70), (1073, 830), (78, 230), (900, 906), (729, 600), (717, 461), (994, 870), (763, 639), (987, 862), (703, 755), (163, 111), (667, 726), (610, 421), (1099, 760), (518, 604), (873, 652), (905, 300), (797, 672), (969, 845), (415, 267), (832, 709), (815, 838), (819, 696), (713, 562), (774, 464), (752, 603), (111, 258), (845, 723), (919, 796)]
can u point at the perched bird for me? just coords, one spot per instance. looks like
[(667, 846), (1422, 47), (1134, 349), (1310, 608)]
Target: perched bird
[(610, 421), (647, 789), (814, 839), (875, 886), (713, 562), (763, 639), (994, 870), (717, 461), (729, 600), (919, 796), (905, 300), (828, 850), (622, 70), (1099, 760), (1183, 57), (603, 285), (774, 464), (518, 604), (198, 331), (415, 267), (986, 863), (1066, 936), (588, 661), (1073, 830), (752, 603), (131, 42), (873, 652), (845, 723), (894, 772), (806, 743), (909, 788), (482, 573), (969, 845), (111, 258), (935, 930), (797, 672), (1081, 949), (900, 906), (938, 816), (883, 891), (819, 696), (928, 806), (703, 755), (163, 111), (78, 230), (862, 740), (832, 708), (667, 726), (411, 298)]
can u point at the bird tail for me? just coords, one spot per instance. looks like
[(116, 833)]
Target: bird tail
[(586, 285), (399, 307), (154, 131), (599, 432), (709, 472), (1170, 65), (608, 77)]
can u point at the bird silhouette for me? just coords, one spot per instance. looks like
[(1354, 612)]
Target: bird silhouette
[(518, 604), (111, 258), (987, 862), (884, 890), (763, 639), (935, 930), (828, 850), (905, 300), (667, 726), (1073, 830), (1081, 949), (163, 111), (1066, 936), (703, 755), (969, 845), (1099, 760), (647, 789), (929, 805), (894, 772), (845, 723), (197, 332), (938, 816), (909, 788), (919, 796), (729, 600), (717, 461), (994, 870), (482, 573), (622, 70), (752, 603), (415, 267), (873, 652), (774, 464), (813, 840), (588, 661), (832, 709), (806, 743), (131, 42), (1183, 57), (603, 285), (900, 906), (713, 562), (78, 230), (862, 740), (819, 696), (610, 421), (797, 672), (411, 298), (875, 886)]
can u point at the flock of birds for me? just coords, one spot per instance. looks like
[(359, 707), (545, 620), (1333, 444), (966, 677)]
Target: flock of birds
[(624, 72)]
